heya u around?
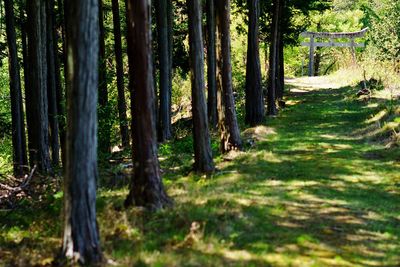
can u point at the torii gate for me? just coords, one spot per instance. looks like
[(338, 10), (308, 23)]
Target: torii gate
[(332, 36)]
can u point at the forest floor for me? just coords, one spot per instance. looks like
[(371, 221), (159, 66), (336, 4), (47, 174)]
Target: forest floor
[(309, 190)]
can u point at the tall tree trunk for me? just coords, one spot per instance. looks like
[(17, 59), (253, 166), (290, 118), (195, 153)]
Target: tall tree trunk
[(203, 161), (60, 98), (254, 94), (274, 65), (37, 116), (170, 21), (81, 236), (23, 21), (52, 83), (211, 64), (123, 121), (146, 187), (104, 112), (230, 133), (280, 79), (164, 117), (17, 112)]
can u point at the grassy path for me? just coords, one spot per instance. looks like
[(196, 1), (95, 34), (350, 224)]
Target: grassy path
[(309, 193)]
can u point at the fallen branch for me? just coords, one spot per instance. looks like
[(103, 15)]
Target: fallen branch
[(23, 185)]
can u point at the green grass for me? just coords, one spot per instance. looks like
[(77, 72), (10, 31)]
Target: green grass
[(311, 192)]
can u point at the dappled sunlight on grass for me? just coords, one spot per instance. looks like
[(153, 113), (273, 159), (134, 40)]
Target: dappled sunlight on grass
[(309, 192)]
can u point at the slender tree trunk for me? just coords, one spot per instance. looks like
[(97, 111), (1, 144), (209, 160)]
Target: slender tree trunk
[(146, 188), (22, 9), (211, 64), (81, 236), (123, 121), (281, 76), (164, 124), (170, 20), (230, 133), (272, 90), (52, 83), (104, 112), (17, 112), (60, 99), (203, 162), (38, 124), (254, 94)]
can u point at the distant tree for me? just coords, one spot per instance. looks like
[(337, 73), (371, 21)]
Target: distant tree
[(53, 81), (104, 114), (146, 187), (36, 92), (230, 133), (202, 145), (164, 115), (211, 63), (81, 235), (17, 113), (59, 36), (254, 92), (274, 60), (123, 121)]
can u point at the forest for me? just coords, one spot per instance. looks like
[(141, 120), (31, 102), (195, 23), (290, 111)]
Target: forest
[(200, 133)]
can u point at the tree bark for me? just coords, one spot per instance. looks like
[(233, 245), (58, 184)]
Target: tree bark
[(164, 124), (146, 187), (281, 70), (229, 128), (52, 83), (123, 121), (104, 111), (81, 236), (170, 21), (211, 64), (254, 94), (17, 112), (37, 116), (60, 99), (202, 146), (272, 90)]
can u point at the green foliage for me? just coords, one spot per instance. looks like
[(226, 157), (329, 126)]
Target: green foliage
[(5, 121), (383, 17)]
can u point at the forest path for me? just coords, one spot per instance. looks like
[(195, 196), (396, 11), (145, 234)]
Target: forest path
[(314, 193), (310, 192)]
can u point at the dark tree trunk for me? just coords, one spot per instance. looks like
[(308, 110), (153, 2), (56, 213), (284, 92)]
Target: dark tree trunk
[(37, 116), (23, 22), (203, 161), (146, 188), (274, 64), (170, 18), (211, 64), (164, 116), (281, 70), (254, 94), (17, 112), (52, 83), (81, 236), (60, 99), (104, 112), (230, 133), (123, 121)]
